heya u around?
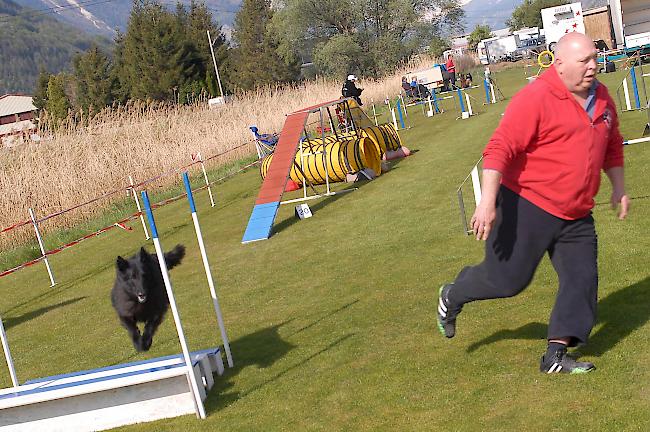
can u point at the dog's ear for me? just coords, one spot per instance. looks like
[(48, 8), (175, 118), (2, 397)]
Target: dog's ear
[(144, 255), (121, 264)]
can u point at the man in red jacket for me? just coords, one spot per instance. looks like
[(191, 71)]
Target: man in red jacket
[(541, 171)]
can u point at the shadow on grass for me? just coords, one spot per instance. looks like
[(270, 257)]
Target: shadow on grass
[(262, 349), (28, 316), (619, 314), (529, 331)]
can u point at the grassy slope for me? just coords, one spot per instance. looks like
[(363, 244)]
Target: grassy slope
[(332, 320)]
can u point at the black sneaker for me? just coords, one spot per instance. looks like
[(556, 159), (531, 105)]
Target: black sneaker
[(446, 312), (561, 362)]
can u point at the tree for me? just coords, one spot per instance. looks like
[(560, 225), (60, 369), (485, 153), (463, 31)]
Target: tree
[(58, 103), (438, 46), (155, 56), (199, 21), (479, 33), (528, 13), (40, 94), (371, 36), (93, 80), (256, 59)]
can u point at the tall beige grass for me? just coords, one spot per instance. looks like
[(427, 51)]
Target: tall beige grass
[(83, 160)]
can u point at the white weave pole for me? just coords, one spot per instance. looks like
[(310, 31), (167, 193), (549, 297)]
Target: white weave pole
[(194, 387), (476, 185), (205, 177), (469, 105), (137, 204), (206, 266), (40, 244), (5, 348)]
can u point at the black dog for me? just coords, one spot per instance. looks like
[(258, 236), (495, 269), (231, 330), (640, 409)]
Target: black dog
[(139, 293)]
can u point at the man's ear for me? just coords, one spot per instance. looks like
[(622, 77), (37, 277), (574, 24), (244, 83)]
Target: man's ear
[(121, 264)]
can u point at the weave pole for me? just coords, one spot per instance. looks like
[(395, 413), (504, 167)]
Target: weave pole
[(206, 266), (205, 177), (40, 244), (198, 403), (137, 204), (5, 348)]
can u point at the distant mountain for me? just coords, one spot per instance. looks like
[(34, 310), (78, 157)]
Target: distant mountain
[(491, 12), (31, 41), (104, 17)]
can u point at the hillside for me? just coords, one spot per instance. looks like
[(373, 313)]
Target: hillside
[(31, 41), (104, 17)]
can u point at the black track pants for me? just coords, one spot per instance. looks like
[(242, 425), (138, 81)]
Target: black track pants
[(522, 233)]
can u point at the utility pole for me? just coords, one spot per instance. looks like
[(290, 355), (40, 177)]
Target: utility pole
[(214, 60)]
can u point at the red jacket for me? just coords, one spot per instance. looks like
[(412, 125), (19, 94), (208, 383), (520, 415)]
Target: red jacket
[(450, 66), (548, 149)]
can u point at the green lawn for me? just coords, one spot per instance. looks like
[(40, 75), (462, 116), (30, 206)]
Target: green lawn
[(332, 321)]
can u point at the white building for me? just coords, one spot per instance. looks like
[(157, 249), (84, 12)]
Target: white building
[(17, 114)]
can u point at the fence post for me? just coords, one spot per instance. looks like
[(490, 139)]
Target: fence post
[(205, 176), (40, 244), (137, 203)]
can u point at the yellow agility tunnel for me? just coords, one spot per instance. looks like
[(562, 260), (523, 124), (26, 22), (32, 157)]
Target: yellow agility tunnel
[(384, 136), (342, 158)]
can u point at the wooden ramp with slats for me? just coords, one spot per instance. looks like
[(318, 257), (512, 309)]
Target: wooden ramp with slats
[(268, 200)]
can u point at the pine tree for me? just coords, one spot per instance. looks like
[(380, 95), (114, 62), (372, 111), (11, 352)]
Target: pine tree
[(199, 22), (58, 103), (256, 61), (93, 80), (40, 94)]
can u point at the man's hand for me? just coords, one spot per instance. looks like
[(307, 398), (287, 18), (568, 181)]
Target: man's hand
[(483, 220), (620, 198)]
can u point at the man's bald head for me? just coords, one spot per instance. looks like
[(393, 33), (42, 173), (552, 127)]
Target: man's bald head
[(572, 42), (575, 62)]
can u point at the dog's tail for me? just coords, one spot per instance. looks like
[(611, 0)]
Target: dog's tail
[(174, 256)]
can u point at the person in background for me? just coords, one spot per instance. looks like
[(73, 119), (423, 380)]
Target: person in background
[(350, 89), (451, 68)]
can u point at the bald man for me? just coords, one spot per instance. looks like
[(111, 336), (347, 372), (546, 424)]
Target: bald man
[(541, 171)]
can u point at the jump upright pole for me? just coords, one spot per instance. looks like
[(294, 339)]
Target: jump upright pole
[(198, 403), (206, 266), (460, 100), (10, 362), (40, 244)]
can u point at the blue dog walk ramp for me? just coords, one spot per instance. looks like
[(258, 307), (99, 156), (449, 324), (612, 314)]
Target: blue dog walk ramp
[(261, 222)]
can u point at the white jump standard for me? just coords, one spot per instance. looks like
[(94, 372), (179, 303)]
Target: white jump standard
[(123, 394)]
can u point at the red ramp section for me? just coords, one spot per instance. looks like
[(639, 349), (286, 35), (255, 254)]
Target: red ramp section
[(268, 200)]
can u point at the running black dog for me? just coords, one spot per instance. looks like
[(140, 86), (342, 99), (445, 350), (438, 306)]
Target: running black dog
[(139, 295)]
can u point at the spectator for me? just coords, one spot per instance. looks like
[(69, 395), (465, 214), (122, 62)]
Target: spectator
[(350, 89), (451, 68)]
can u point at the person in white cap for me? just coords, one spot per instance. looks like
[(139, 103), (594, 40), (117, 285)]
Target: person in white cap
[(351, 90)]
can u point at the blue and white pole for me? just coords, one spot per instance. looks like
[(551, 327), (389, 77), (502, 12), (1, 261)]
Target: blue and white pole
[(486, 87), (5, 348), (200, 409), (206, 266), (635, 88), (399, 111), (460, 100)]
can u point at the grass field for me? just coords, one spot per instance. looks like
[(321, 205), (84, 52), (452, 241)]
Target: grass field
[(332, 321)]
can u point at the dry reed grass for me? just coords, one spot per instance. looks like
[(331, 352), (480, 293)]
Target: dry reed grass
[(83, 160)]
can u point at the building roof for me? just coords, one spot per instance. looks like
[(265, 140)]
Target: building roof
[(15, 104)]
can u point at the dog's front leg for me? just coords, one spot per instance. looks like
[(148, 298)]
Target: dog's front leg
[(149, 329), (131, 326)]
